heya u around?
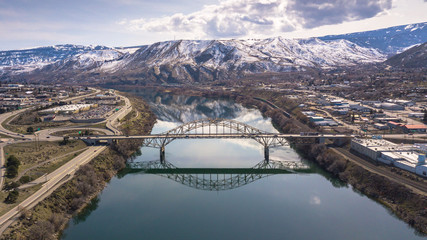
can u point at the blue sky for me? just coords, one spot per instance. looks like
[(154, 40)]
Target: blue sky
[(30, 23)]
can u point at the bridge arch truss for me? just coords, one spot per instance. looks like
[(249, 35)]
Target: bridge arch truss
[(218, 181), (216, 128)]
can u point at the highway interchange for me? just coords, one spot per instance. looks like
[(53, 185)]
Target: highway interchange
[(56, 178)]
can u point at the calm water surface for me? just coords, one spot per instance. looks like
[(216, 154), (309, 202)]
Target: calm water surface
[(282, 206)]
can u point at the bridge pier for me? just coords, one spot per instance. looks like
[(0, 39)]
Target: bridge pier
[(266, 154), (162, 154)]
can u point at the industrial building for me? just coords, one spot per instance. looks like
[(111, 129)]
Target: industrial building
[(406, 157), (419, 128), (416, 115), (389, 106), (68, 109)]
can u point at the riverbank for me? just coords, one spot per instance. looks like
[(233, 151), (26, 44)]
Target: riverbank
[(48, 218)]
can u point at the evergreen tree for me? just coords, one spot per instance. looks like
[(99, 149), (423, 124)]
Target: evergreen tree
[(12, 197)]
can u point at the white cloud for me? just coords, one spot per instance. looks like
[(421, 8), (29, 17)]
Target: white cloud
[(246, 18)]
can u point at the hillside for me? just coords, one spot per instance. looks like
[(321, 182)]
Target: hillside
[(415, 57)]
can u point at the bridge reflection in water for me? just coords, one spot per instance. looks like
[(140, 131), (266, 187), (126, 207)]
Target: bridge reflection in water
[(218, 179)]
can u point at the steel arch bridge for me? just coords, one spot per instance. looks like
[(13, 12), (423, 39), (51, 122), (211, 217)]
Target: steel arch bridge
[(218, 179), (216, 128)]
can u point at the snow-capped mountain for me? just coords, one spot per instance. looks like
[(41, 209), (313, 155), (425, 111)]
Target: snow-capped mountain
[(186, 60), (86, 61), (273, 54), (389, 41), (207, 60), (29, 59), (75, 56)]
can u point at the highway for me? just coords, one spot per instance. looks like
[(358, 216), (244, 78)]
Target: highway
[(54, 180), (2, 164), (112, 121), (4, 117)]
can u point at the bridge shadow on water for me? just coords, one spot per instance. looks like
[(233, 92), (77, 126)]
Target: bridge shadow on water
[(216, 179)]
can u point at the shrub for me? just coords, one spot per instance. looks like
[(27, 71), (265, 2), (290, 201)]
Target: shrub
[(30, 130), (11, 185), (12, 197), (41, 230), (24, 179)]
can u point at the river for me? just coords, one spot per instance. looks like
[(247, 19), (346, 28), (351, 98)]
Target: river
[(137, 205)]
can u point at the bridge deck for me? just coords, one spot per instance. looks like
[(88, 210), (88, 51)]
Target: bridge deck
[(221, 135), (228, 171)]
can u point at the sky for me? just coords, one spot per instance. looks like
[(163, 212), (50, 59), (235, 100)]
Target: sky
[(114, 23)]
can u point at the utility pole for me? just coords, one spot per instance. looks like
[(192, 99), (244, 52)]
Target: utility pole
[(36, 140)]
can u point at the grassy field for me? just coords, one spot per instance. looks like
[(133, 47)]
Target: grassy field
[(31, 155), (50, 166), (99, 125)]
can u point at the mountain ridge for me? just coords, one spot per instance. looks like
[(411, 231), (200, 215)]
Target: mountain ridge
[(390, 40), (206, 60)]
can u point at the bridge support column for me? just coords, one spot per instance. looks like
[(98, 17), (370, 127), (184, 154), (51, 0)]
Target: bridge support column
[(321, 140), (162, 154), (266, 154)]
